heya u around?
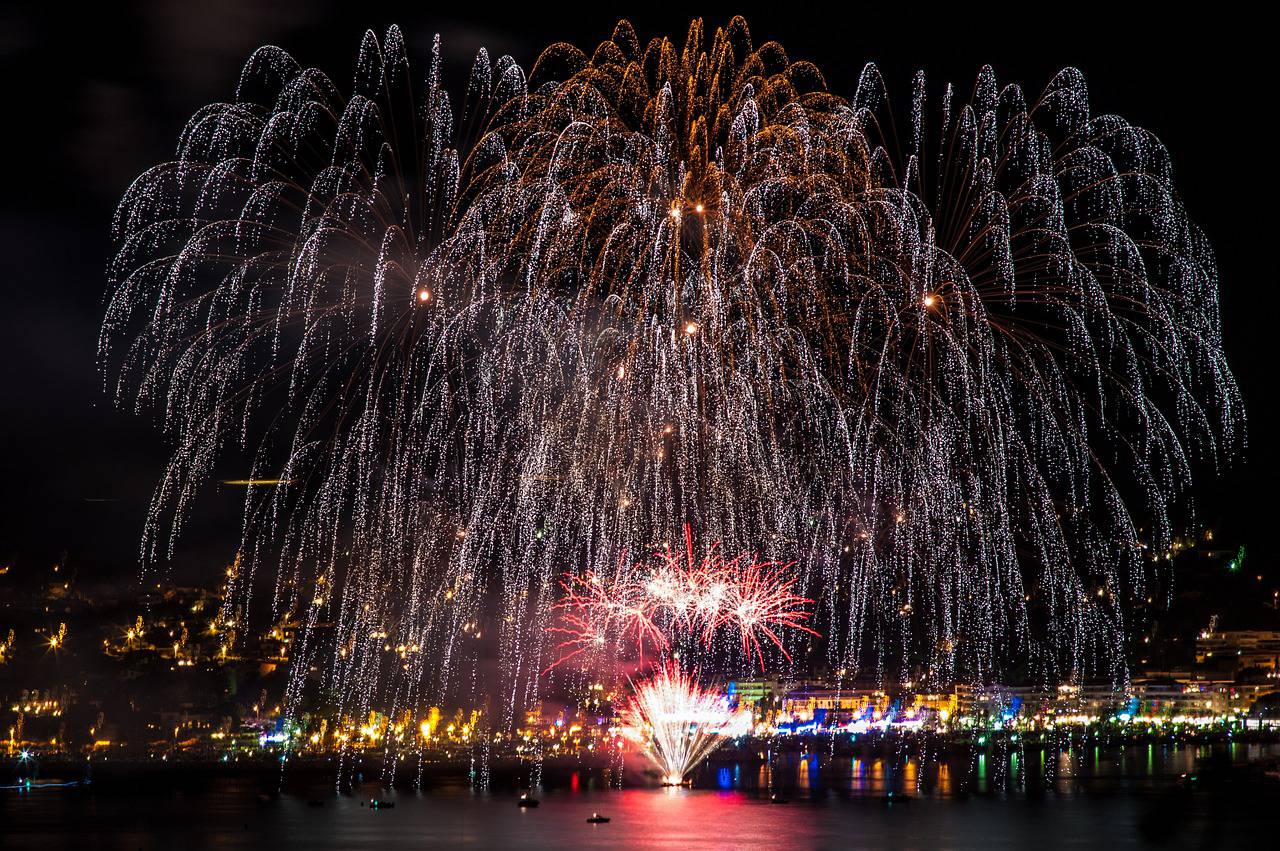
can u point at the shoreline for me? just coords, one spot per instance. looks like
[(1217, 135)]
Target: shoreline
[(508, 772)]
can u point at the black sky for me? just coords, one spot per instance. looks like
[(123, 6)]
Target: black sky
[(93, 98)]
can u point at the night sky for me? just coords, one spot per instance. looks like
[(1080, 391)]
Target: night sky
[(90, 102)]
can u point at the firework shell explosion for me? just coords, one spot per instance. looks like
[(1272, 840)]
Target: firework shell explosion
[(677, 723), (957, 359), (682, 596)]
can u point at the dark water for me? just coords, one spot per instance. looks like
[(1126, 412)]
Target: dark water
[(1089, 798)]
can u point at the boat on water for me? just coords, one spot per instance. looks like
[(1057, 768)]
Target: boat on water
[(596, 818), (25, 784)]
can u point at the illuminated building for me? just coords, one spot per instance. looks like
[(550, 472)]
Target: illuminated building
[(833, 705), (1239, 649), (751, 693)]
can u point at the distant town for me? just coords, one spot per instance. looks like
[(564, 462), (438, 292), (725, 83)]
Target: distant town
[(168, 674)]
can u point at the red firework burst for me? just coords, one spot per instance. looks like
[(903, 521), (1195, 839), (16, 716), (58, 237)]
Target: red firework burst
[(596, 610), (758, 601), (681, 593)]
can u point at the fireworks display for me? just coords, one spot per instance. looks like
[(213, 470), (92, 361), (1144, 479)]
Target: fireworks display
[(677, 723), (948, 370)]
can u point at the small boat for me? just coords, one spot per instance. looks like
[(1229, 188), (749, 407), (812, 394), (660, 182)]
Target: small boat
[(596, 818), (375, 804), (895, 798), (778, 798), (527, 801)]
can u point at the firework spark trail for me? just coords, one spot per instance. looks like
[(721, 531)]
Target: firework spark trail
[(953, 371), (677, 723)]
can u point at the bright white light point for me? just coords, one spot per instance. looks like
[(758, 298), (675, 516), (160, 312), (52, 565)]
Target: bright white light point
[(424, 295), (675, 212), (929, 300), (691, 328), (622, 371), (698, 208)]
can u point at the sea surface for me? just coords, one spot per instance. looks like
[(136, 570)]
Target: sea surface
[(1095, 798)]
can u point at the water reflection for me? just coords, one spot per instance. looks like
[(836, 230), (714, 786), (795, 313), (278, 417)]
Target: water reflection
[(944, 786), (837, 800), (1008, 769)]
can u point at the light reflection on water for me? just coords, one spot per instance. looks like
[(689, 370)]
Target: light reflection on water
[(998, 770), (987, 800)]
